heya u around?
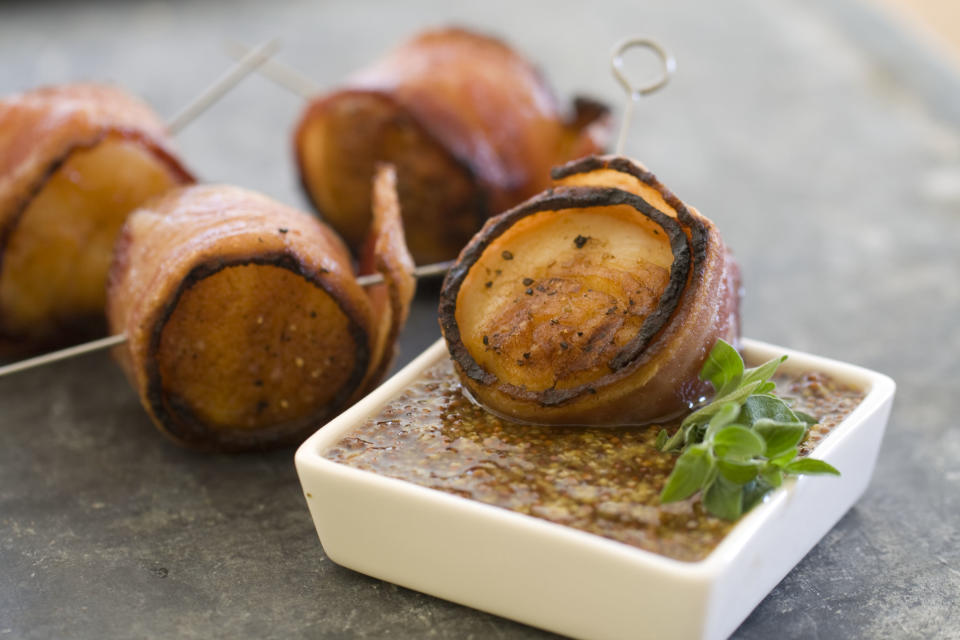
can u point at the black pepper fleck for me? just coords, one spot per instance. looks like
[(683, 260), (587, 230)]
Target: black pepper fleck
[(580, 241), (527, 282), (507, 255)]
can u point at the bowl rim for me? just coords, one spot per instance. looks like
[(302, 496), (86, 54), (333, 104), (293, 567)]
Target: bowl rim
[(878, 388)]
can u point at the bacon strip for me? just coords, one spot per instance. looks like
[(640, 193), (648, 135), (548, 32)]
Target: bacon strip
[(47, 137), (471, 125), (246, 326)]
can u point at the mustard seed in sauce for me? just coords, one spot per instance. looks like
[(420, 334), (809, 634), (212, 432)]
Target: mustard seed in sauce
[(602, 481)]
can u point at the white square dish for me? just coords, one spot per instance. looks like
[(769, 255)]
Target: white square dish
[(569, 581)]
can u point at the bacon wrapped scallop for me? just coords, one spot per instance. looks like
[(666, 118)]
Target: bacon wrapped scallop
[(74, 161), (593, 303), (246, 326), (471, 126)]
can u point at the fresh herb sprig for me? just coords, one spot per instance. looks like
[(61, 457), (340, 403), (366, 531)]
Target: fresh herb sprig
[(739, 446)]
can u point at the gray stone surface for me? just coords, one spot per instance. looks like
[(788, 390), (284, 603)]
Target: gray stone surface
[(823, 141)]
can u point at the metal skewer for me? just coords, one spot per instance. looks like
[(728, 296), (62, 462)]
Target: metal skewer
[(63, 354), (258, 58), (298, 83), (437, 268), (251, 60), (287, 77), (669, 65)]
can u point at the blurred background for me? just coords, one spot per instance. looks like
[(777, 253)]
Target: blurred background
[(823, 138), (765, 115)]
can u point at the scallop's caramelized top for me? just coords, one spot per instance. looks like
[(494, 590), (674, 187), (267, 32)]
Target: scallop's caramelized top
[(595, 302)]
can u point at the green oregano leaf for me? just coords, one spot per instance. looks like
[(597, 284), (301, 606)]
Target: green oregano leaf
[(780, 437), (737, 472), (810, 466), (760, 407), (737, 447), (724, 499), (723, 368), (766, 387), (661, 440), (753, 493), (728, 413), (772, 475), (711, 474), (688, 474), (783, 459), (763, 372), (692, 434), (736, 442), (738, 395)]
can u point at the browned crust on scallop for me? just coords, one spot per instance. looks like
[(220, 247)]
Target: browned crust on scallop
[(555, 200), (187, 429), (194, 233), (655, 376), (40, 129), (487, 106)]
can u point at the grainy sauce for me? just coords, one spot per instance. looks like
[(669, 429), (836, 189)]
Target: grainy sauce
[(603, 481)]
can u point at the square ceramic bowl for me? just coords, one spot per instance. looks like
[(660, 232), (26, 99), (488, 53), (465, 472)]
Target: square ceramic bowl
[(569, 581)]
